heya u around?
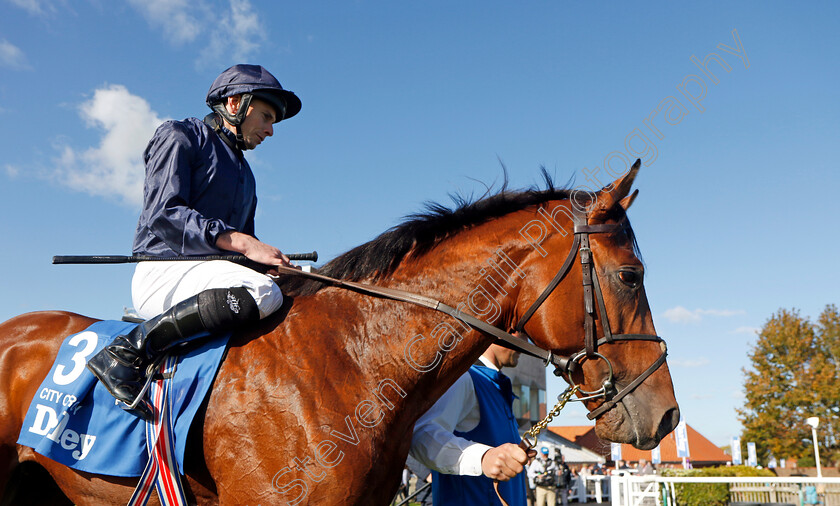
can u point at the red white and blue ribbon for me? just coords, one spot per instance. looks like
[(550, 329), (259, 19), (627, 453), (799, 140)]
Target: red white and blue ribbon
[(162, 468)]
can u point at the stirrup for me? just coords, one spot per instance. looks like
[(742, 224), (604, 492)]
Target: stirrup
[(150, 376), (141, 411)]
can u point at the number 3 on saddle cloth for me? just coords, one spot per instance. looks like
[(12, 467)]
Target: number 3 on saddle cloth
[(75, 421)]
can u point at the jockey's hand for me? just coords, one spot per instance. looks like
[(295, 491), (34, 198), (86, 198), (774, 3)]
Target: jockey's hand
[(503, 462), (254, 249)]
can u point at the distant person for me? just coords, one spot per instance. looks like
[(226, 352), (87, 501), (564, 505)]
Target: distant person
[(543, 471), (564, 478), (425, 496), (405, 482)]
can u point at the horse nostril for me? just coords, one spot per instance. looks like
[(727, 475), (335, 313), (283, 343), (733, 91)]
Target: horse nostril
[(668, 423)]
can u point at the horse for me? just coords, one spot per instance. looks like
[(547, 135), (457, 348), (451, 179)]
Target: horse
[(316, 404)]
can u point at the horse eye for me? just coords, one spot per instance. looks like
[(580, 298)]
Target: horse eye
[(629, 277)]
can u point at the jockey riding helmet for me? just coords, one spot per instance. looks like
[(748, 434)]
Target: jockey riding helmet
[(250, 81)]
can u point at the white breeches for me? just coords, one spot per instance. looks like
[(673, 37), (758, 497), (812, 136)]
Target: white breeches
[(157, 286)]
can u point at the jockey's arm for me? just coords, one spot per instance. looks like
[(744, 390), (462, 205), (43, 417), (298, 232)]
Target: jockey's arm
[(252, 248)]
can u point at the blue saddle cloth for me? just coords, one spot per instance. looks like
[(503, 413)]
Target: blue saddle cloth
[(75, 421)]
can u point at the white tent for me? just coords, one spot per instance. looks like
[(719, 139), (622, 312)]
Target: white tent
[(573, 453)]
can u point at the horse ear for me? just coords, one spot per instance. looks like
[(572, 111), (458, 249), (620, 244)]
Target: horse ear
[(618, 190), (627, 201)]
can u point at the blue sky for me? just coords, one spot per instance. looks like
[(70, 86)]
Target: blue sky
[(406, 102)]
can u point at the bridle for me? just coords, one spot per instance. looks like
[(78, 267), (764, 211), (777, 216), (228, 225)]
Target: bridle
[(563, 365)]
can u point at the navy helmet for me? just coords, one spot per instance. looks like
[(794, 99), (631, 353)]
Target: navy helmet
[(251, 81)]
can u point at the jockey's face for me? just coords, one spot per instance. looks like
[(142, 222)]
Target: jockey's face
[(258, 123)]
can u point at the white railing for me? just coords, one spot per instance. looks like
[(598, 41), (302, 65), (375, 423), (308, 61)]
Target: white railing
[(593, 487), (629, 490)]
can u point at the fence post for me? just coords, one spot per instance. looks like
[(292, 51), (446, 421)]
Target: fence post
[(617, 489)]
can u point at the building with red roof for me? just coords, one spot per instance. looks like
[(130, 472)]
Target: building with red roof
[(703, 452)]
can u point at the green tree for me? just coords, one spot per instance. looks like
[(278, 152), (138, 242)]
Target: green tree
[(794, 375), (826, 400)]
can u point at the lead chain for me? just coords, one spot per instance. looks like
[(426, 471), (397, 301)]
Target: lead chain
[(534, 431)]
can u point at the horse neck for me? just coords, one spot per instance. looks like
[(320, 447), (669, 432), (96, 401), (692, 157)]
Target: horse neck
[(476, 271)]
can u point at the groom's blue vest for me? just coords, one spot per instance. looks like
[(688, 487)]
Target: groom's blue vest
[(496, 426)]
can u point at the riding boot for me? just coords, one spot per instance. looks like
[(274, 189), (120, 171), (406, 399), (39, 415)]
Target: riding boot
[(121, 366)]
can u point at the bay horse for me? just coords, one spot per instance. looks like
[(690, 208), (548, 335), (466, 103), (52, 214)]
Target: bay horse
[(316, 404)]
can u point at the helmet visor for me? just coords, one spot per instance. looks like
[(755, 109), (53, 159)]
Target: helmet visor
[(273, 99)]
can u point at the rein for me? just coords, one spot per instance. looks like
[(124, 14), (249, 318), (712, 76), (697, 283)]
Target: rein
[(421, 300)]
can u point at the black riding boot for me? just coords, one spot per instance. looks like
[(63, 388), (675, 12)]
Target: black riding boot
[(121, 365)]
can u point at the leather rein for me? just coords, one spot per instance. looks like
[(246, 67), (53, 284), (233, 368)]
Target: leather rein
[(564, 365)]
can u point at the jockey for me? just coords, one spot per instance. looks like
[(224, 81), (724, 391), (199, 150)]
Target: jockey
[(199, 198)]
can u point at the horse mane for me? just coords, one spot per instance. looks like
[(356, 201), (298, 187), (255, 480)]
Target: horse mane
[(420, 232)]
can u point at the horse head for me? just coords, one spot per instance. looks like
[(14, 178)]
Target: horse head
[(619, 366)]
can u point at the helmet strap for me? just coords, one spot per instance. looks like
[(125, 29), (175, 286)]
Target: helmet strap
[(214, 121), (244, 105), (240, 140), (236, 119)]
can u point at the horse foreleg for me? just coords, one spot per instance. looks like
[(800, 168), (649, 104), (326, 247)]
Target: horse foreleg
[(24, 482), (28, 346), (8, 464)]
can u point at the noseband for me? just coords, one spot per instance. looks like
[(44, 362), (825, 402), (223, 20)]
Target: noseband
[(565, 366)]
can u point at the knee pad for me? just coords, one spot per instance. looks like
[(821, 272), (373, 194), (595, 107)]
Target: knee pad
[(222, 309)]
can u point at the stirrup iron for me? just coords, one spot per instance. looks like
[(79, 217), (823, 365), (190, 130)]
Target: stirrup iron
[(150, 376)]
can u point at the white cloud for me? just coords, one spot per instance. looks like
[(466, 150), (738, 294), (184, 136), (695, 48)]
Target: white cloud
[(11, 170), (697, 362), (113, 169), (36, 7), (680, 314), (721, 312), (11, 56), (246, 23), (242, 37), (176, 17), (230, 33), (747, 330)]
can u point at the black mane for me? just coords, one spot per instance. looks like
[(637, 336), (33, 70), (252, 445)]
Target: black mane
[(418, 233)]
